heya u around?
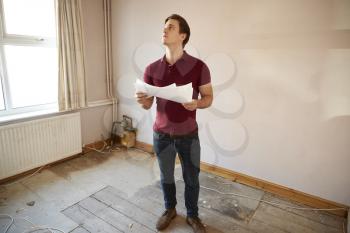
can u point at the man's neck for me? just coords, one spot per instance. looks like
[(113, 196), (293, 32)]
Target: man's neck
[(173, 54)]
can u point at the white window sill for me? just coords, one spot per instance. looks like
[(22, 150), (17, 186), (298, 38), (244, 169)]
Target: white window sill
[(52, 110), (24, 116)]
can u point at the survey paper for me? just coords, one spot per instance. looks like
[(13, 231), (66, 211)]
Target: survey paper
[(179, 94)]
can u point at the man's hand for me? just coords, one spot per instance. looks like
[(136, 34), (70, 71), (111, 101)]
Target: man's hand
[(143, 99), (191, 106), (205, 101)]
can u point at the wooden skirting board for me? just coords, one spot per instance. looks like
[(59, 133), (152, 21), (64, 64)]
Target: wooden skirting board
[(144, 146), (295, 195)]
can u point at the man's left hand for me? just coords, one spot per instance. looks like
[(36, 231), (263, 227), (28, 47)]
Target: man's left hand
[(191, 106)]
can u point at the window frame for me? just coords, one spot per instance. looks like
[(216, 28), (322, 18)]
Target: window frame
[(19, 40)]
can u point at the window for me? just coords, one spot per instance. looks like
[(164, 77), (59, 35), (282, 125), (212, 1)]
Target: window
[(28, 56), (2, 104)]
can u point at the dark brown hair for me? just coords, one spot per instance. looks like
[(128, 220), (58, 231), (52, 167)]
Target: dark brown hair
[(184, 28)]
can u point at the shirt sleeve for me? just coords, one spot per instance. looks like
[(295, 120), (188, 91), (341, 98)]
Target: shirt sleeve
[(147, 78), (205, 75)]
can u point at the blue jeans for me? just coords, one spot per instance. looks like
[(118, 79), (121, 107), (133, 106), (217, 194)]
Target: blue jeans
[(188, 149)]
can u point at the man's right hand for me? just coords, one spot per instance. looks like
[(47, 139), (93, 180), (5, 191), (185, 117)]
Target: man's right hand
[(143, 99)]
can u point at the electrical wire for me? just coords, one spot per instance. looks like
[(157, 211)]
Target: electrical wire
[(149, 155), (272, 203), (11, 222), (34, 227), (99, 150), (24, 178), (40, 228), (105, 148)]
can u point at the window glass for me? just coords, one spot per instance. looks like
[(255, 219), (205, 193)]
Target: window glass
[(30, 17), (33, 74), (2, 104)]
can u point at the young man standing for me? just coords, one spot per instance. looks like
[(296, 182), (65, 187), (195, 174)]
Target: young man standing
[(175, 127)]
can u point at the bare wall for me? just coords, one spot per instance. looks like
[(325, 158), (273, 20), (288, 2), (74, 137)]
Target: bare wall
[(96, 121), (281, 77)]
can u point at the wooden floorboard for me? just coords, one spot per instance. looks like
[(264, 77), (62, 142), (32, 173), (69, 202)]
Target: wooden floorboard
[(114, 217), (129, 209), (89, 221), (154, 205), (79, 230), (110, 196)]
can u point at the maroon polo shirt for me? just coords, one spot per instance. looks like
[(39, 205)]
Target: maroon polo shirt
[(172, 118)]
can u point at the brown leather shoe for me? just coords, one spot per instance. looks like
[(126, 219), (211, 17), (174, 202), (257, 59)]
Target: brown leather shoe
[(164, 220), (196, 224)]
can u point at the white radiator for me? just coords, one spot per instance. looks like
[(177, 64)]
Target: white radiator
[(30, 144)]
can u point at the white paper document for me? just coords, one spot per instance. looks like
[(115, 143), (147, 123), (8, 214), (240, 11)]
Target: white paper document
[(179, 94)]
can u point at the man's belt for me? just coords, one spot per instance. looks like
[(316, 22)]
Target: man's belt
[(176, 136)]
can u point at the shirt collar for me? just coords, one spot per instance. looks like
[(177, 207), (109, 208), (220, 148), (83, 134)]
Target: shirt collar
[(184, 57)]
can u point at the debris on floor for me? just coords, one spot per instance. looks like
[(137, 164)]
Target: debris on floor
[(31, 203)]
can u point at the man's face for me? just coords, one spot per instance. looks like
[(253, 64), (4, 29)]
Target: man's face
[(171, 33)]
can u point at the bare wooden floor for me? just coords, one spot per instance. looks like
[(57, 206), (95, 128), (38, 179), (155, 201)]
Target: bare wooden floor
[(120, 192)]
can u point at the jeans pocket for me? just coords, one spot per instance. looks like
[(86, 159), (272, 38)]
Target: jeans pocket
[(155, 136)]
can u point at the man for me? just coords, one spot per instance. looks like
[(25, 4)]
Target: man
[(175, 127)]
